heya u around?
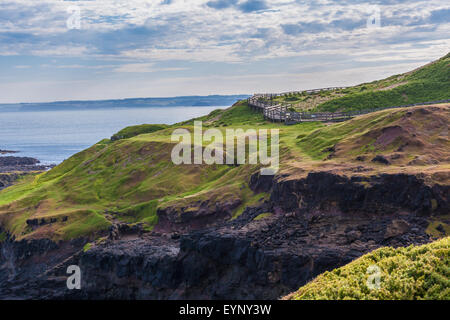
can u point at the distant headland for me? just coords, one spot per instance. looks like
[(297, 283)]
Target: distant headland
[(188, 101)]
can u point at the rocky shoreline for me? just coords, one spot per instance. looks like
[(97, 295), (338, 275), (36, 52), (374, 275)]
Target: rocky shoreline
[(21, 164), (7, 151), (244, 258), (13, 168)]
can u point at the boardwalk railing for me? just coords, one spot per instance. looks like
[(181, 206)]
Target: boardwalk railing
[(279, 112), (282, 94)]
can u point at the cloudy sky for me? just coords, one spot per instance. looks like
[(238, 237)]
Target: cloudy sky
[(103, 49)]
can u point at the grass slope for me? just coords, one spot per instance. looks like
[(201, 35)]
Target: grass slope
[(415, 272), (131, 175), (406, 136), (428, 83), (126, 178), (130, 178), (133, 131)]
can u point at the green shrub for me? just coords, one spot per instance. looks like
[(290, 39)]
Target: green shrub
[(133, 131), (412, 273), (429, 83)]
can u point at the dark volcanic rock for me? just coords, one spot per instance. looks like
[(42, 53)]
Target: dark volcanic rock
[(20, 164), (196, 216), (380, 159), (318, 223), (25, 264), (17, 161), (7, 151), (243, 259), (384, 193), (131, 269), (260, 183), (7, 179)]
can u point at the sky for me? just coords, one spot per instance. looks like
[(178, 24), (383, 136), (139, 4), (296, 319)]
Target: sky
[(109, 49)]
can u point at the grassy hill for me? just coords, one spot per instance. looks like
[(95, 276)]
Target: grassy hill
[(428, 83), (415, 272), (130, 177), (404, 137), (125, 178)]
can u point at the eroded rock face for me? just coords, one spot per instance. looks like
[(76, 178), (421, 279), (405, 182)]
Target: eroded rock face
[(318, 223), (24, 266), (396, 228), (131, 269), (12, 164), (7, 179), (380, 194), (243, 259), (17, 161), (196, 216)]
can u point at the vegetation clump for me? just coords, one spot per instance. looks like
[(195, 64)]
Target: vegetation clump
[(133, 131), (411, 273), (426, 84), (263, 216)]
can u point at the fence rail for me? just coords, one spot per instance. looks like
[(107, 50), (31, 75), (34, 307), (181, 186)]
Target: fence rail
[(282, 94), (280, 112)]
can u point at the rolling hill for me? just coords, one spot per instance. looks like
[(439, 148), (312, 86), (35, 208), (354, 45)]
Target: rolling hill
[(124, 212), (131, 178), (428, 83)]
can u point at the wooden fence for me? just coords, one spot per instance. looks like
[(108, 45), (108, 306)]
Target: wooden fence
[(279, 112)]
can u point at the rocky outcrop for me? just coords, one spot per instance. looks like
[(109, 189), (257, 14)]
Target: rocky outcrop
[(377, 194), (317, 223), (380, 159), (7, 179), (242, 259), (24, 264), (196, 215), (35, 223), (17, 161), (13, 168), (7, 151), (21, 164)]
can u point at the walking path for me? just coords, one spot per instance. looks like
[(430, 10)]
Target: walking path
[(279, 112)]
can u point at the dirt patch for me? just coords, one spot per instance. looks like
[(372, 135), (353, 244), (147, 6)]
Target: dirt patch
[(418, 136), (389, 134)]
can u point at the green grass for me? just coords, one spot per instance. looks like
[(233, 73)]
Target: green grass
[(429, 83), (143, 212), (412, 92), (132, 175), (131, 178), (263, 216), (133, 131), (240, 114), (438, 226), (318, 143), (412, 273), (86, 223), (87, 247)]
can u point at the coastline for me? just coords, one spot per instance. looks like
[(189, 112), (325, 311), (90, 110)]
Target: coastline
[(12, 168)]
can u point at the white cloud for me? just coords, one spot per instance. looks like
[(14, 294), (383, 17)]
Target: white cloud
[(135, 67), (141, 38)]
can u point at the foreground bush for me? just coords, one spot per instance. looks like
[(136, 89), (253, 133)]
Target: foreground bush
[(415, 272)]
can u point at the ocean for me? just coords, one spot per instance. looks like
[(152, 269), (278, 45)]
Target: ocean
[(53, 136)]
